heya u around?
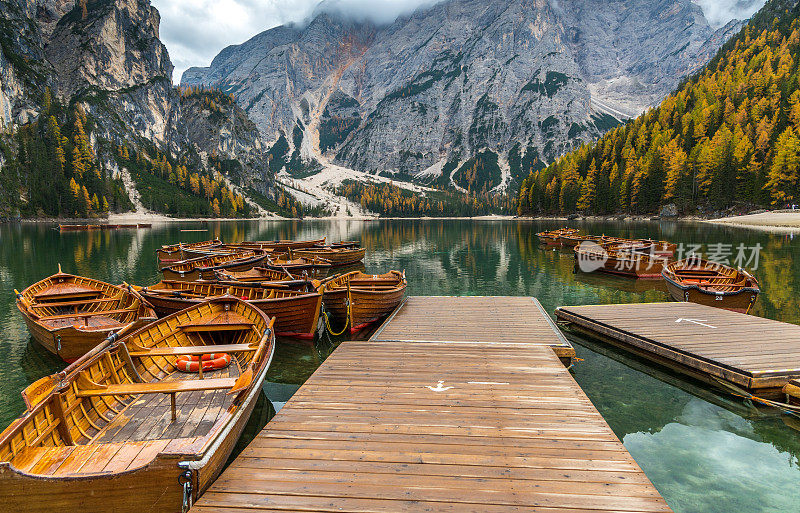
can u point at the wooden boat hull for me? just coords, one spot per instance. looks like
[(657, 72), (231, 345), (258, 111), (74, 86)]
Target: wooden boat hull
[(71, 342), (740, 302), (69, 315), (337, 257), (706, 283), (296, 315), (282, 246), (109, 469), (174, 253), (361, 307), (207, 271), (632, 267)]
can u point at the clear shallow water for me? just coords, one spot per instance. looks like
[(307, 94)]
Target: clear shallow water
[(704, 452)]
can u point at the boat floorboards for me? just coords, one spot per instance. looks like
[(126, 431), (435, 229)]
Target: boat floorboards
[(142, 429), (750, 352), (149, 416), (481, 426)]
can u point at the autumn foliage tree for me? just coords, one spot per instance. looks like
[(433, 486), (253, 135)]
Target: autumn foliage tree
[(730, 134)]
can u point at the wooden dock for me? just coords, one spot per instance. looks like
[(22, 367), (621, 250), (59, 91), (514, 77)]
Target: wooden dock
[(469, 319), (755, 354), (453, 426)]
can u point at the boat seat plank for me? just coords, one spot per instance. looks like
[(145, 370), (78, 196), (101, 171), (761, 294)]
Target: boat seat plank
[(194, 350), (97, 321), (193, 328), (76, 303), (163, 387), (81, 315)]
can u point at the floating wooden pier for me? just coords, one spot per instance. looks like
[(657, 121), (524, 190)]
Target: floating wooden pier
[(717, 346), (469, 319), (463, 424)]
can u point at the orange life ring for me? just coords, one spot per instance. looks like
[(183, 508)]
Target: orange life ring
[(215, 361)]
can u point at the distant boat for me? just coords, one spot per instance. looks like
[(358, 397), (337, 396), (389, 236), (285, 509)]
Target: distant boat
[(78, 227), (708, 283), (205, 268), (633, 259), (174, 252), (361, 299), (551, 238), (69, 315), (282, 246), (336, 256), (123, 430)]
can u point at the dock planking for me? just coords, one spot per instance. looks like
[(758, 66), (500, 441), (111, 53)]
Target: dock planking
[(454, 425), (756, 354), (466, 319)]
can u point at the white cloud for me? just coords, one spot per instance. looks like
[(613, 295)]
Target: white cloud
[(720, 12), (194, 31)]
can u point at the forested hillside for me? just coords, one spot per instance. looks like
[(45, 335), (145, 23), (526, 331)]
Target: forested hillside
[(728, 136), (50, 169)]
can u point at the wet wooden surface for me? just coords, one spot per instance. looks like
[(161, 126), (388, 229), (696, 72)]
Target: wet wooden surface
[(751, 352), (479, 425), (485, 319)]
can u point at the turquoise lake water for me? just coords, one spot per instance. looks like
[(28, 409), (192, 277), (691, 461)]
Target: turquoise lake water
[(704, 451)]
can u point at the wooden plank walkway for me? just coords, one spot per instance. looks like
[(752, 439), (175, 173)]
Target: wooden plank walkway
[(465, 319), (753, 353), (448, 426)]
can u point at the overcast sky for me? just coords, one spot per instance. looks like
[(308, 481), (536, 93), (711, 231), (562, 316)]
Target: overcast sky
[(194, 31)]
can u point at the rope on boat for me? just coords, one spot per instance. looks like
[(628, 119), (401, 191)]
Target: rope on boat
[(734, 390), (346, 322)]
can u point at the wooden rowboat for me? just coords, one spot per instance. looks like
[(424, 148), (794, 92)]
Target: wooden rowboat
[(631, 259), (77, 227), (260, 274), (699, 281), (69, 315), (315, 266), (361, 299), (296, 313), (551, 238), (174, 252), (122, 431), (570, 240), (282, 246), (336, 256), (205, 268)]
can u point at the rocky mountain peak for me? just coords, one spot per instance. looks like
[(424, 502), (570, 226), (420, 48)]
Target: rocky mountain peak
[(446, 82), (116, 44)]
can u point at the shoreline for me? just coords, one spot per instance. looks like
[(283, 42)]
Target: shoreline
[(774, 222)]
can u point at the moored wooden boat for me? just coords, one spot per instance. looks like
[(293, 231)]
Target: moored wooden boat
[(296, 313), (122, 431), (708, 283), (361, 299), (315, 266), (336, 256), (262, 276), (69, 315), (78, 227), (205, 268), (282, 246), (551, 238), (174, 252), (570, 240), (632, 259)]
